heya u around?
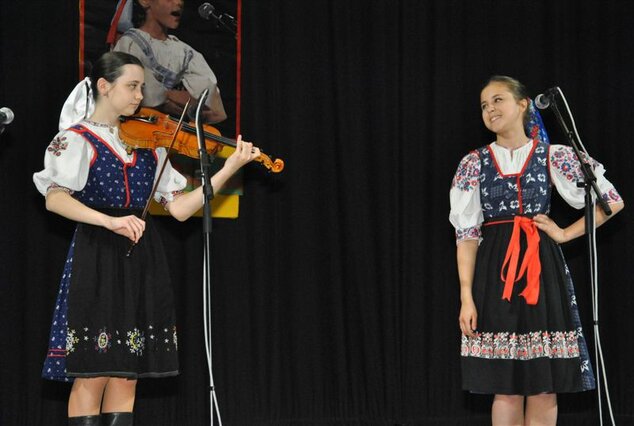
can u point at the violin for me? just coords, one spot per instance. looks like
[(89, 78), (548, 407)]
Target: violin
[(150, 128)]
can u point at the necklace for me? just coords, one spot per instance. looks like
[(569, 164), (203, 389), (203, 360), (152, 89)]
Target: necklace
[(511, 149), (110, 127), (128, 148)]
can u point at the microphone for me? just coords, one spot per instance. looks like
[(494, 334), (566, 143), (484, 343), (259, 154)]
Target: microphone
[(543, 100), (6, 116), (206, 11)]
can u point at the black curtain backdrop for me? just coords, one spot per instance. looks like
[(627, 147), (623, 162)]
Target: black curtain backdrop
[(335, 293)]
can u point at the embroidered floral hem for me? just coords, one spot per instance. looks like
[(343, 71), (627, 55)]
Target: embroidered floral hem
[(522, 347)]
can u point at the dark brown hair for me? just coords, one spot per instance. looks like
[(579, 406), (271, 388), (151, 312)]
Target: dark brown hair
[(110, 67), (138, 14)]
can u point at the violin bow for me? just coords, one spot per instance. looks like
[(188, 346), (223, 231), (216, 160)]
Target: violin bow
[(158, 179)]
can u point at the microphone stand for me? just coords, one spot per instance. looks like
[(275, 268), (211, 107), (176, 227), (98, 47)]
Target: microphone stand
[(589, 183), (208, 195), (231, 25)]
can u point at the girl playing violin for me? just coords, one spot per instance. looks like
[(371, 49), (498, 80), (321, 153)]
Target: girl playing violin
[(521, 334), (114, 317)]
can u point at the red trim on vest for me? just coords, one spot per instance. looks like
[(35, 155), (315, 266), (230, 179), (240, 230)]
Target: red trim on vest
[(94, 150), (497, 166), (518, 181), (87, 130), (126, 165), (518, 176), (498, 222)]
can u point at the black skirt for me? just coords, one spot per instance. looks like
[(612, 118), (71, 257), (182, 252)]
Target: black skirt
[(523, 349), (115, 314)]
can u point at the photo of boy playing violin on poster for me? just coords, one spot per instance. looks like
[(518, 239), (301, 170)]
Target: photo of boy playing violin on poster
[(187, 48)]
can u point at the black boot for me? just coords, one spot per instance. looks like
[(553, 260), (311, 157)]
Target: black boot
[(117, 419), (85, 421)]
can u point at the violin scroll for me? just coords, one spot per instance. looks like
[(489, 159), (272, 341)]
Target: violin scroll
[(274, 166)]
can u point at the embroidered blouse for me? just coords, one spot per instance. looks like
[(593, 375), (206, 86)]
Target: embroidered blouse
[(69, 156), (466, 213)]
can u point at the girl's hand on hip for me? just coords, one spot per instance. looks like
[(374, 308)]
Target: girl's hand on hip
[(546, 224)]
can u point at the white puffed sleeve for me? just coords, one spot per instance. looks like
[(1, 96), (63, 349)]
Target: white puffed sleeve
[(565, 172), (172, 183), (466, 211), (66, 163), (199, 77)]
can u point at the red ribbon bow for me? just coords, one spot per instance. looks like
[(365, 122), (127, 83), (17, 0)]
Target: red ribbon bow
[(531, 265)]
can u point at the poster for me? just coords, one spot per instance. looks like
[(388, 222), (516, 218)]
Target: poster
[(210, 28)]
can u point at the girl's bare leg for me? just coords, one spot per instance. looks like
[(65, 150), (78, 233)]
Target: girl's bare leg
[(119, 396), (85, 396), (507, 410), (541, 410)]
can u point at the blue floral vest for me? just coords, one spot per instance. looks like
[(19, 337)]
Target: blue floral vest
[(113, 183)]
